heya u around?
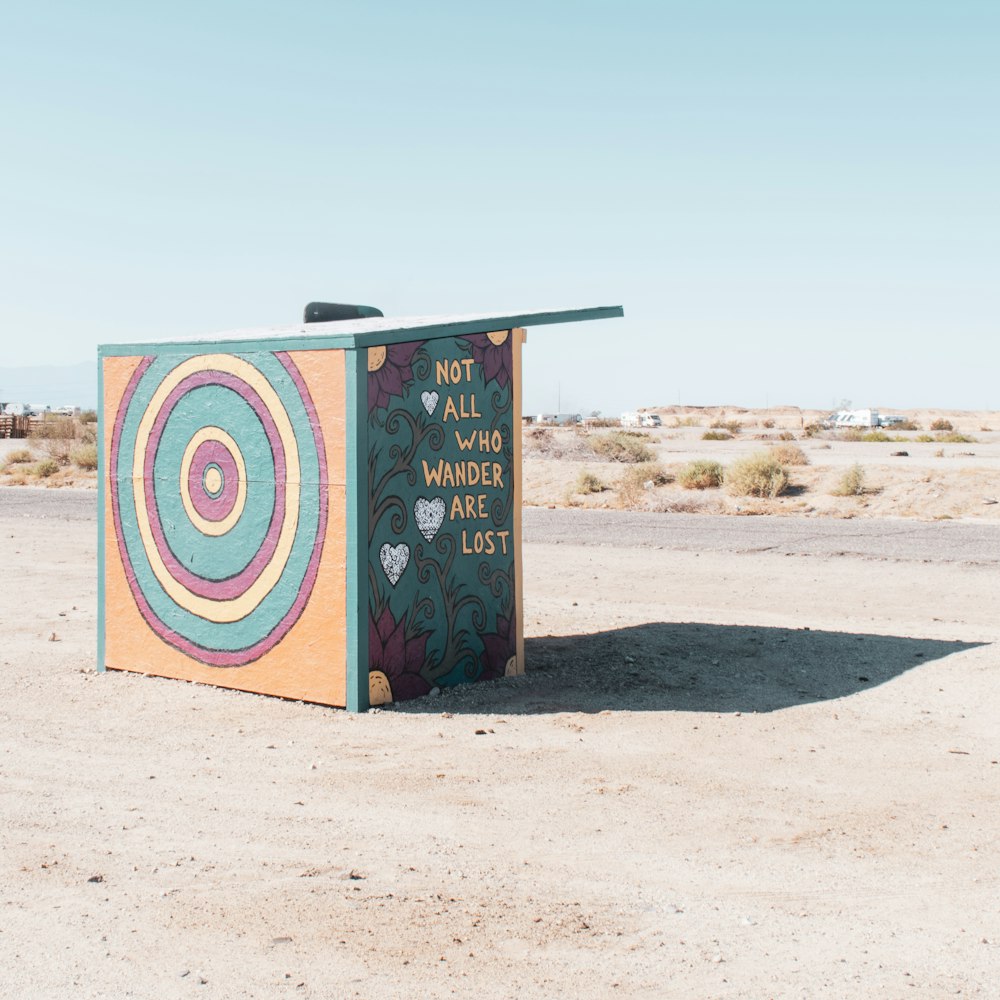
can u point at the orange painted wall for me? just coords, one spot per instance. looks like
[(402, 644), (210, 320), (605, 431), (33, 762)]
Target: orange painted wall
[(309, 662)]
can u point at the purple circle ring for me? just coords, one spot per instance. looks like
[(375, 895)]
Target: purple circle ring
[(234, 586), (213, 454)]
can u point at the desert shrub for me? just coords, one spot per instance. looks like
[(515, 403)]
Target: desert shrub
[(767, 423), (716, 436), (636, 480), (686, 422), (588, 482), (85, 457), (860, 434), (652, 472), (733, 426), (701, 474), (907, 425), (851, 483), (757, 475), (87, 433), (786, 436), (926, 438), (789, 454), (88, 417), (537, 438), (955, 438), (58, 449), (19, 456), (46, 467), (941, 425), (985, 429), (557, 444), (622, 446), (53, 428), (811, 430)]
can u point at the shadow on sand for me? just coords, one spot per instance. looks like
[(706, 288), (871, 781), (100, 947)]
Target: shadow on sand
[(692, 668)]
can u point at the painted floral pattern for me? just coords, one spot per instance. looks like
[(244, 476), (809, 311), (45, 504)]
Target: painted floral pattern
[(399, 658), (495, 358), (390, 372)]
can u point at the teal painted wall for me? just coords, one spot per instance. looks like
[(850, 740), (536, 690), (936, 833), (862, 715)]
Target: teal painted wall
[(440, 514)]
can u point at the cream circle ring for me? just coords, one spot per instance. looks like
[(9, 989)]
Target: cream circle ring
[(239, 607), (214, 528)]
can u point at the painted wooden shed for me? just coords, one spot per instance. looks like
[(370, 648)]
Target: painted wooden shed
[(328, 512)]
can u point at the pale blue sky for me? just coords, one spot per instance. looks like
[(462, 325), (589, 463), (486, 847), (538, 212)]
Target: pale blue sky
[(795, 201)]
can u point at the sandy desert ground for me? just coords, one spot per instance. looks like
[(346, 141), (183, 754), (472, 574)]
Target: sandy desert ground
[(759, 761)]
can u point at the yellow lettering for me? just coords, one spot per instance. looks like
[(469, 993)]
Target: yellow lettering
[(471, 411), (449, 410), (483, 542), (497, 475), (432, 477), (468, 507), (465, 444)]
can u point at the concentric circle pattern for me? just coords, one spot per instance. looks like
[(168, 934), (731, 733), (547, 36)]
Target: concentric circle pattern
[(219, 495)]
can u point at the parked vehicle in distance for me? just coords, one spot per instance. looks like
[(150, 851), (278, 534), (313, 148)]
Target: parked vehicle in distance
[(867, 418), (640, 420), (559, 419)]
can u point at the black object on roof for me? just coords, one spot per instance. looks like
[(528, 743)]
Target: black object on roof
[(331, 312)]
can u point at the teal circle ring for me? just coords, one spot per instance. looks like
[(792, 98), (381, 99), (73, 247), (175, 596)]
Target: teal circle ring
[(220, 564)]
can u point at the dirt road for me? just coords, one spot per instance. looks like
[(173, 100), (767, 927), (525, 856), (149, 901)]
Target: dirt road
[(728, 773), (897, 540)]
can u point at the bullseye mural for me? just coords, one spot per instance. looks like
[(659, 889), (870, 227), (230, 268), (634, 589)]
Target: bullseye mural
[(219, 495)]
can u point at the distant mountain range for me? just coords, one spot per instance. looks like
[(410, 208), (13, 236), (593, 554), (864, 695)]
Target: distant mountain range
[(53, 385)]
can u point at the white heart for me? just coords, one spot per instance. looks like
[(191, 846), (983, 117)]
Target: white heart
[(430, 401), (429, 515), (394, 559)]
